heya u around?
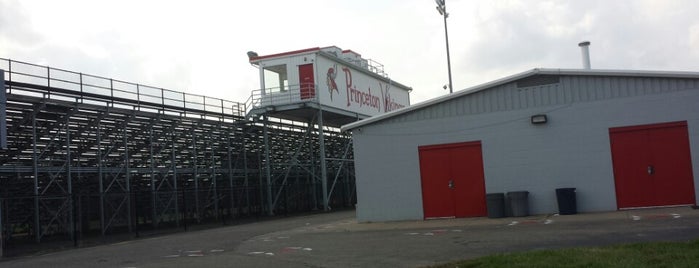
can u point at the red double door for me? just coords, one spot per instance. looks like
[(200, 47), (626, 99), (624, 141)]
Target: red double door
[(652, 165), (452, 180)]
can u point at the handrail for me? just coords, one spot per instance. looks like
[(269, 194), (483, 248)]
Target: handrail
[(92, 87), (290, 94)]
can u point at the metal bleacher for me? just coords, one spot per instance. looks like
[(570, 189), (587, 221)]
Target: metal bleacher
[(93, 156)]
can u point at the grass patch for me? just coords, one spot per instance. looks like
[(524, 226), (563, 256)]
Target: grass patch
[(660, 254)]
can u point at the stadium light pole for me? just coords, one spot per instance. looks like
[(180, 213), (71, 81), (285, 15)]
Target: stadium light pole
[(442, 8)]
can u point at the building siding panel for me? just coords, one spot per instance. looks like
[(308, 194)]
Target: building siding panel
[(572, 150), (570, 89)]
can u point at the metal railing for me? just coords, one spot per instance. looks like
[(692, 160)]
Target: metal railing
[(281, 96), (376, 67), (76, 86), (369, 64)]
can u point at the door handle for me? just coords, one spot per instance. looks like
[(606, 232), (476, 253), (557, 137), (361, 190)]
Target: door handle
[(651, 170), (451, 184)]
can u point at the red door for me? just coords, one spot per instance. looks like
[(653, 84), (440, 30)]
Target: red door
[(652, 165), (452, 180), (307, 81)]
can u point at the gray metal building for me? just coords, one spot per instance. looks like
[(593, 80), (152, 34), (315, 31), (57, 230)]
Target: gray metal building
[(624, 139)]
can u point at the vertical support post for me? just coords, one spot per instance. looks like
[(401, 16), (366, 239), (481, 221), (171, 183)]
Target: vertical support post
[(231, 206), (100, 175), (348, 197), (153, 192), (127, 178), (174, 179), (73, 218), (138, 96), (184, 103), (261, 183), (268, 166), (245, 176), (348, 175), (213, 179), (312, 179), (37, 221), (70, 181), (323, 168), (9, 70), (196, 176), (80, 75), (262, 80)]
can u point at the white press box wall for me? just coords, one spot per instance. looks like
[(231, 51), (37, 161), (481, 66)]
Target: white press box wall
[(571, 150)]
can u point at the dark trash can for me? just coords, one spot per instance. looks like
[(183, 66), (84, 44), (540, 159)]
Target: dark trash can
[(519, 203), (496, 205), (567, 204)]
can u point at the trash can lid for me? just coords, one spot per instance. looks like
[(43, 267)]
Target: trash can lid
[(565, 189)]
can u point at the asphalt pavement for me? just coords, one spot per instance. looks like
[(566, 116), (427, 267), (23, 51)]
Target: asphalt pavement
[(337, 240)]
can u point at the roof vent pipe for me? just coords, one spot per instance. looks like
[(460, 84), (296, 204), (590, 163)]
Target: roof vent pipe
[(585, 49)]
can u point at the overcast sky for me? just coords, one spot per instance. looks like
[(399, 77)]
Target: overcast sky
[(200, 46)]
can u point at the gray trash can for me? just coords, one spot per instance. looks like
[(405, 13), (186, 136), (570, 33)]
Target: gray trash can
[(567, 204), (519, 203), (496, 205)]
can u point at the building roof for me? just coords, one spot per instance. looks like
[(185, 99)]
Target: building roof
[(516, 77), (256, 59)]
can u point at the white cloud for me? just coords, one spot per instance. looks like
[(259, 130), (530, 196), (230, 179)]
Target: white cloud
[(199, 46), (694, 39)]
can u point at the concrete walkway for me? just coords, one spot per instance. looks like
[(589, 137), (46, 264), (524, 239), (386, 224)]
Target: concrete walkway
[(337, 240)]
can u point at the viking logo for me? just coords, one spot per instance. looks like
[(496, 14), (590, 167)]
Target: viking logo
[(330, 81)]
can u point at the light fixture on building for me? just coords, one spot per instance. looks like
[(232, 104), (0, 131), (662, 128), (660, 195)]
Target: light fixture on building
[(539, 119), (252, 55)]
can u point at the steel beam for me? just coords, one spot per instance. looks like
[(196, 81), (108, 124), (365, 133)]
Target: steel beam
[(100, 176), (35, 158), (127, 166), (69, 173), (174, 179), (323, 166), (212, 178), (196, 175), (153, 192), (268, 166), (246, 176), (231, 192)]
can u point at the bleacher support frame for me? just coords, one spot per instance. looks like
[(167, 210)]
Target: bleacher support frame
[(90, 156)]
